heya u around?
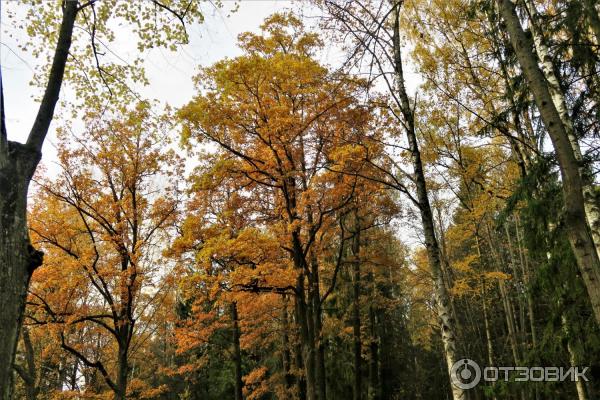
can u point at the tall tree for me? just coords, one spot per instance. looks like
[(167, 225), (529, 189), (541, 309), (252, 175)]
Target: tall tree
[(576, 219), (375, 28), (18, 161), (102, 221)]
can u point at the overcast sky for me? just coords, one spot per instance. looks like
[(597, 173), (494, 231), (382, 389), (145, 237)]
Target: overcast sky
[(170, 73)]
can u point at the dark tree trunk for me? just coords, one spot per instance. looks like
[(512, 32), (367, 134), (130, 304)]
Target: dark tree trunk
[(121, 392), (320, 373), (356, 310), (18, 259), (122, 372), (374, 383), (286, 358), (304, 321), (237, 353), (300, 380), (304, 315)]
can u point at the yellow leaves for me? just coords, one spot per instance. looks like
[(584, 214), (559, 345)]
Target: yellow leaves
[(497, 276), (255, 384), (281, 32), (255, 376), (102, 224), (465, 265)]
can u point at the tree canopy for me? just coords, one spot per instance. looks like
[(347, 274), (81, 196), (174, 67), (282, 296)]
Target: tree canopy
[(383, 224)]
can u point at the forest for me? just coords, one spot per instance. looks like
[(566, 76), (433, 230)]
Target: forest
[(370, 200)]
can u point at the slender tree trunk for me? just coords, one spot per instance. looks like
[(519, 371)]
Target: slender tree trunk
[(442, 298), (526, 279), (573, 358), (592, 212), (512, 335), (73, 377), (237, 353), (356, 323), (506, 303), (486, 321), (286, 353), (520, 297), (488, 333), (578, 231), (374, 383)]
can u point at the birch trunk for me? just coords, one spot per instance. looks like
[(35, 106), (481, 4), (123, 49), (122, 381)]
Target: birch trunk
[(578, 231), (573, 359), (442, 298), (592, 212)]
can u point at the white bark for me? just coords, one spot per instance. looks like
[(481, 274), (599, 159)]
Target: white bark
[(592, 212), (578, 230)]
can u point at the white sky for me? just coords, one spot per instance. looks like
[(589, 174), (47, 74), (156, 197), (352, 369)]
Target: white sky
[(169, 73)]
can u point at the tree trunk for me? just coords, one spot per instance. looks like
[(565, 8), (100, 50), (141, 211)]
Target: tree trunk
[(592, 212), (18, 258), (442, 298), (510, 324), (357, 384), (286, 358), (28, 372), (374, 384), (237, 353), (573, 358), (305, 322), (320, 372), (122, 373), (578, 231), (526, 279), (301, 379)]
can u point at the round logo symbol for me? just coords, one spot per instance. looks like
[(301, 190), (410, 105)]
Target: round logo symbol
[(465, 374)]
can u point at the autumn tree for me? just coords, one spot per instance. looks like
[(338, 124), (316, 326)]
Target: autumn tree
[(376, 32), (278, 118), (55, 22), (102, 224)]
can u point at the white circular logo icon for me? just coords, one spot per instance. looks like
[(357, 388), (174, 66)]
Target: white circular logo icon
[(465, 374)]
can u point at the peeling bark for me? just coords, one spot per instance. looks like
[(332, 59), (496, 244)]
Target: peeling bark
[(578, 231)]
